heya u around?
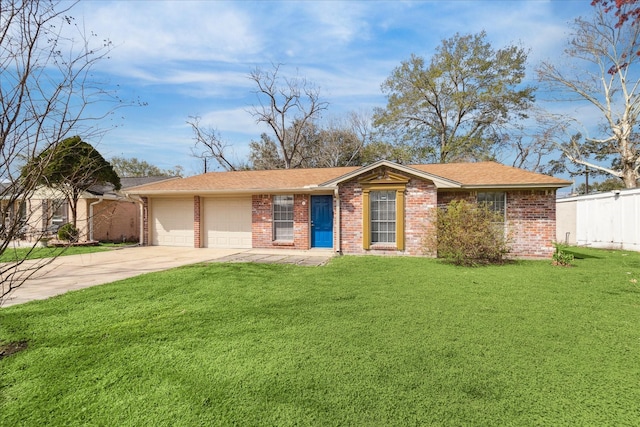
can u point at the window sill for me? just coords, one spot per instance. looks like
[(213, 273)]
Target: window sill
[(384, 247), (283, 243)]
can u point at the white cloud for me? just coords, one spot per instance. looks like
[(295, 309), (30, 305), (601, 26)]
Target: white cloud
[(236, 120), (157, 32), (193, 57)]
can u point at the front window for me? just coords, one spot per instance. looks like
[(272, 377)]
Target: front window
[(383, 216), (495, 201), (283, 218), (59, 213)]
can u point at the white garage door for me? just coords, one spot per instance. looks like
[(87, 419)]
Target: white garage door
[(227, 222), (172, 222)]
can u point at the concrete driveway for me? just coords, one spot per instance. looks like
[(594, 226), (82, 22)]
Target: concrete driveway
[(73, 272)]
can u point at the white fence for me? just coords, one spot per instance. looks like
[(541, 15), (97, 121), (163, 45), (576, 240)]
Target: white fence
[(603, 220)]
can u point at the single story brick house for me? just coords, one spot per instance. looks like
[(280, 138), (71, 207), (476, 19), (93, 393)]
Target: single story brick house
[(380, 208)]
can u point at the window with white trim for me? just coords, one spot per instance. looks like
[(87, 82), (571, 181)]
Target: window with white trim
[(495, 201), (283, 218), (383, 216)]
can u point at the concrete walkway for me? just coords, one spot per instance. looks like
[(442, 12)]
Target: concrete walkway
[(73, 272)]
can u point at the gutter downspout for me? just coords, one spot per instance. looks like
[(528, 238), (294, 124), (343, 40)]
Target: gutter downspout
[(100, 200), (338, 224)]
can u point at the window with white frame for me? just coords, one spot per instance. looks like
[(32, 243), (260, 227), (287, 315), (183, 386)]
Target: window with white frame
[(494, 200), (383, 216), (283, 218)]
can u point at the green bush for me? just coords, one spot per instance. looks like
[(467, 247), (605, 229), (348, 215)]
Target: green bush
[(560, 257), (68, 233), (468, 234)]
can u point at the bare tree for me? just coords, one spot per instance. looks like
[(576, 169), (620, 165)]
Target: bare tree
[(283, 102), (46, 89), (531, 147), (604, 74), (335, 144), (341, 142), (210, 145)]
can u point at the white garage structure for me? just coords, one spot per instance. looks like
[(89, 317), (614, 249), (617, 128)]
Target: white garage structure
[(226, 222), (172, 222)]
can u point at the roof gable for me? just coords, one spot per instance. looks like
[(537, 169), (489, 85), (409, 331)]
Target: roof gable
[(439, 181)]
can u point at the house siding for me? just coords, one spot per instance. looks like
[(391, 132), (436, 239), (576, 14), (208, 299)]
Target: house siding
[(531, 219)]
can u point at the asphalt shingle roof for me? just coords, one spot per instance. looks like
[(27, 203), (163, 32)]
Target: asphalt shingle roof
[(488, 174)]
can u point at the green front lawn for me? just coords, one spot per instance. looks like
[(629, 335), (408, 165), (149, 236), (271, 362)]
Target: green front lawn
[(13, 254), (362, 341)]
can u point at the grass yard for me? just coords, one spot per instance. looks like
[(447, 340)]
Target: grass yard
[(363, 341), (14, 254)]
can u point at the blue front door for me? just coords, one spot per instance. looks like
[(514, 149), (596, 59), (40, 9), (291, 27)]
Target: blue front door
[(321, 221)]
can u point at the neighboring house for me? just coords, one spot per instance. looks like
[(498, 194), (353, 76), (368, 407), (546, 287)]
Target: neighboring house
[(381, 208), (601, 220), (102, 213), (106, 215), (10, 209)]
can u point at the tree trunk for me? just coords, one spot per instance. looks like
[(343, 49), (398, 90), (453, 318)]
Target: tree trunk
[(629, 176)]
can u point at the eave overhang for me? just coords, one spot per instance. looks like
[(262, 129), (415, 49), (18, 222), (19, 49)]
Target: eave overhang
[(228, 192), (514, 186)]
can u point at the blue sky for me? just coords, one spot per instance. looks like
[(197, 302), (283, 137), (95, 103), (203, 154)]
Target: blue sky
[(190, 58)]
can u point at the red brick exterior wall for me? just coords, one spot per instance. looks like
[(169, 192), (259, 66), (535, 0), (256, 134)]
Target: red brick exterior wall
[(145, 221), (301, 221), (261, 222), (531, 219), (261, 213), (420, 200), (350, 194), (197, 235)]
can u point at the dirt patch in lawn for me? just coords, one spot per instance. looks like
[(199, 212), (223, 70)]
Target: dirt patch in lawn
[(11, 348)]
